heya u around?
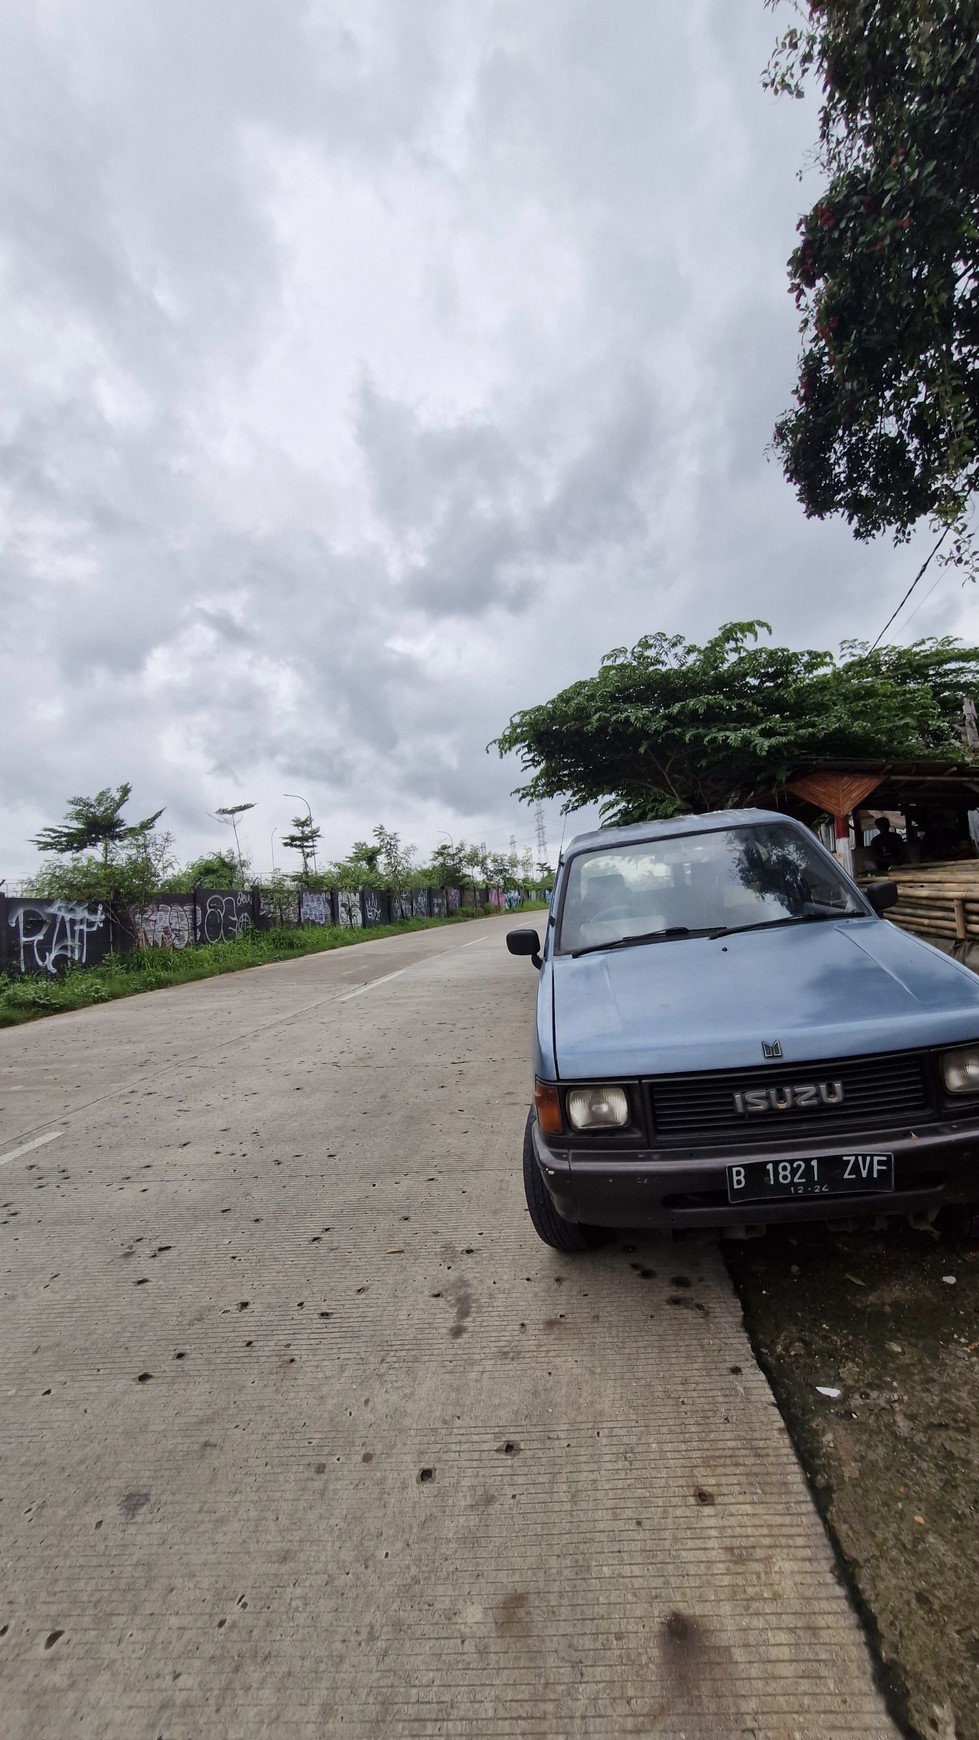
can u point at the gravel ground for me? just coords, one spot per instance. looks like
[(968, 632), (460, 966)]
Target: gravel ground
[(891, 1321)]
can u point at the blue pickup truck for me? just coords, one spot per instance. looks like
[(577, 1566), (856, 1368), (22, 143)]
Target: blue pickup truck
[(729, 1033)]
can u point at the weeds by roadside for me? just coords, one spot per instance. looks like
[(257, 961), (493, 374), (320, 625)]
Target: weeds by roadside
[(153, 969)]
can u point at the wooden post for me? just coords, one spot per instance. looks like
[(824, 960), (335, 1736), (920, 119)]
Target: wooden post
[(971, 724), (958, 907), (844, 849)]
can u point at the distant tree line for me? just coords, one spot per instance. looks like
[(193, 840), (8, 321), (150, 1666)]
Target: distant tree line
[(97, 855)]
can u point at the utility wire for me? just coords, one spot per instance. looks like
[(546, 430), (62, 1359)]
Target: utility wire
[(911, 588), (924, 601)]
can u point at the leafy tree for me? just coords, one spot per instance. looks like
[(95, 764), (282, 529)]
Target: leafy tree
[(304, 838), (670, 727), (503, 871), (229, 815), (396, 862), (886, 272), (475, 862), (128, 883), (97, 822), (447, 868), (366, 855), (213, 870)]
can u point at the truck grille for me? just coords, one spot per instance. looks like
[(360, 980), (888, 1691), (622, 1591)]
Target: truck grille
[(699, 1110)]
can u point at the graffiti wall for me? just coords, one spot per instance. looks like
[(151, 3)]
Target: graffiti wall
[(166, 924), (222, 917), (376, 906), (349, 913), (42, 936), (278, 906), (316, 906)]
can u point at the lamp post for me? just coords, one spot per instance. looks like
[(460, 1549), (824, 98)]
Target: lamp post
[(272, 847), (302, 800)]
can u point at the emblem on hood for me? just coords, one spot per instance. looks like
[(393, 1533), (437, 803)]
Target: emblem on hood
[(771, 1048)]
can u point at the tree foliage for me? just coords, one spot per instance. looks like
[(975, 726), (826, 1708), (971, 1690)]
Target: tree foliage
[(229, 814), (447, 866), (886, 272), (213, 870), (97, 823), (670, 727), (129, 880), (304, 839)]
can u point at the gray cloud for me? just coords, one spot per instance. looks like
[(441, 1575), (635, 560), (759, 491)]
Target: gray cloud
[(367, 372)]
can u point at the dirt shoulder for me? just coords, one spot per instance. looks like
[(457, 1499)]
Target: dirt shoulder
[(894, 1460)]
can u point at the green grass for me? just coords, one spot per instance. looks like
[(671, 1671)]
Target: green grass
[(28, 998)]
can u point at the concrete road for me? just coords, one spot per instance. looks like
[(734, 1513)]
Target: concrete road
[(304, 1433)]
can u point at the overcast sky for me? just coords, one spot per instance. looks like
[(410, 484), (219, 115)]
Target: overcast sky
[(368, 370)]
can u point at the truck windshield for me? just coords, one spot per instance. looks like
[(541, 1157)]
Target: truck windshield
[(686, 884)]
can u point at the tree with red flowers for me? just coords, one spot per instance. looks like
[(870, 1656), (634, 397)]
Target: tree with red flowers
[(885, 429)]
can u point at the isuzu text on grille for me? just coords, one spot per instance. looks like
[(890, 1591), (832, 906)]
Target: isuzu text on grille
[(783, 1099)]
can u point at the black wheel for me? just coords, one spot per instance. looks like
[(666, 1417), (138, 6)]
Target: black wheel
[(560, 1234)]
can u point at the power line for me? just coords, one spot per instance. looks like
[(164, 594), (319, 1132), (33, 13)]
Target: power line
[(911, 588), (924, 601)]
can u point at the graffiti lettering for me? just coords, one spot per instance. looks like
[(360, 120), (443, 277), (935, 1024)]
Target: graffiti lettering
[(348, 906), (315, 907), (373, 911), (419, 903), (167, 924), (438, 903), (455, 899), (225, 916), (51, 931), (280, 905)]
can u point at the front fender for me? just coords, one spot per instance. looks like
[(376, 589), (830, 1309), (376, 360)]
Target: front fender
[(545, 1060)]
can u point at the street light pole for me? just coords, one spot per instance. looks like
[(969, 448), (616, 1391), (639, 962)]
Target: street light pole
[(272, 847)]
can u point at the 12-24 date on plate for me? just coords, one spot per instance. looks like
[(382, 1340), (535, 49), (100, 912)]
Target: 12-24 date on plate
[(823, 1175)]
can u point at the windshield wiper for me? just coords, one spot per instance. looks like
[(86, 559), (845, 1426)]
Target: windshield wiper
[(645, 936), (712, 930), (790, 918)]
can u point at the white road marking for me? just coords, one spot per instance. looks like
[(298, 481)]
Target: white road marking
[(370, 986), (38, 1142)]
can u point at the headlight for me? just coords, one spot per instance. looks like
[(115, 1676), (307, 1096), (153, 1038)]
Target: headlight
[(600, 1108), (960, 1070)]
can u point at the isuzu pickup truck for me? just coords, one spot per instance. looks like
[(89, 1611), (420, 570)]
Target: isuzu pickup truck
[(729, 1033)]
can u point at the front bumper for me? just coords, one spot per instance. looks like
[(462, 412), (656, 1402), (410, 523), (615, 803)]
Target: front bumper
[(936, 1168)]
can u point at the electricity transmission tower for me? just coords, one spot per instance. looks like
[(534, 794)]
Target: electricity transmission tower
[(541, 836)]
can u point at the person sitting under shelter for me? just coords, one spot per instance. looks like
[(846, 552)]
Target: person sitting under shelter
[(886, 848)]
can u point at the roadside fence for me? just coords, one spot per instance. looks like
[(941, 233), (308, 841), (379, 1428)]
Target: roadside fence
[(42, 936)]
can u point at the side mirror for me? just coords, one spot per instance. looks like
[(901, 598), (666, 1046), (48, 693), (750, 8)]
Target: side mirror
[(524, 942), (882, 895)]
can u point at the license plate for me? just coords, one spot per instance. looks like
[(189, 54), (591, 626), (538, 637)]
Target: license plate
[(827, 1175)]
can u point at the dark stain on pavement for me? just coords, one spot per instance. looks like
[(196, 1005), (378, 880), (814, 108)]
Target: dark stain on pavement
[(463, 1300), (511, 1612)]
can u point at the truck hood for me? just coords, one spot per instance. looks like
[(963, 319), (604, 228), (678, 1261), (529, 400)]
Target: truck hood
[(821, 990)]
